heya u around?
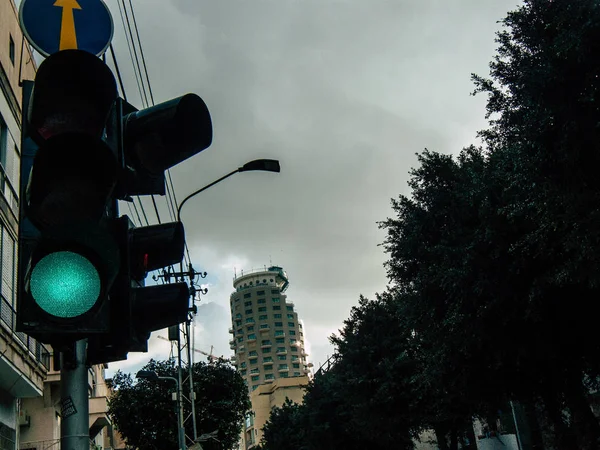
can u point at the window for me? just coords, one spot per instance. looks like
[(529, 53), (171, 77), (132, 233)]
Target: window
[(249, 303), (266, 350), (253, 353), (269, 367), (255, 377), (237, 299), (290, 316), (269, 376), (268, 359), (279, 333), (262, 309), (251, 328), (279, 340), (265, 342), (242, 372), (261, 301), (292, 341), (282, 366), (243, 365), (276, 308), (280, 349), (238, 323), (294, 357), (264, 326), (274, 291), (282, 357), (275, 299), (253, 336), (247, 295), (291, 324), (296, 374), (254, 387), (238, 316), (289, 308), (292, 333), (294, 349), (241, 339), (240, 331), (277, 316), (248, 312), (262, 317), (296, 365), (11, 50), (278, 324), (284, 375), (260, 292), (253, 371)]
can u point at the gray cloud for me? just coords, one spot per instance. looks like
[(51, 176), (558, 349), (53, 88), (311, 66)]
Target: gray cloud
[(343, 93)]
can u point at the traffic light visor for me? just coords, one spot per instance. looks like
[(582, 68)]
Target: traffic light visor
[(65, 284), (74, 92)]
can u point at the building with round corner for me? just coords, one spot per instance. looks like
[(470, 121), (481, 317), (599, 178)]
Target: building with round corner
[(268, 344)]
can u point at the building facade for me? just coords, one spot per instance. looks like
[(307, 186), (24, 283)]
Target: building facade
[(29, 388), (269, 345), (41, 430), (24, 362)]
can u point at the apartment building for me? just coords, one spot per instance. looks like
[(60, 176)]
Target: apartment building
[(24, 362), (269, 345)]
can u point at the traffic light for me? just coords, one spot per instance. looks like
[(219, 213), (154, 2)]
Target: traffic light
[(138, 310), (68, 259), (82, 268), (152, 141)]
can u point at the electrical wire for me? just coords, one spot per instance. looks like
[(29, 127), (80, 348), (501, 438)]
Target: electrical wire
[(130, 53), (137, 61)]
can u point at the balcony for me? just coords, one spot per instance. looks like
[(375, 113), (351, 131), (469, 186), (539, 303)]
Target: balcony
[(253, 357), (251, 339), (283, 370), (98, 415), (242, 349), (231, 331), (281, 352), (266, 346), (266, 363), (265, 330)]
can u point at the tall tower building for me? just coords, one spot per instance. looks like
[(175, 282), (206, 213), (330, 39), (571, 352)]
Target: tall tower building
[(268, 342)]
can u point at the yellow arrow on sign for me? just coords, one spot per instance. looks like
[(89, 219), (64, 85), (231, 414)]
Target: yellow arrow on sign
[(68, 37)]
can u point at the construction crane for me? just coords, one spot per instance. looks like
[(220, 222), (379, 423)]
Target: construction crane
[(211, 357)]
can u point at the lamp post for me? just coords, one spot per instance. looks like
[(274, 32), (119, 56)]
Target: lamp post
[(265, 165), (152, 376)]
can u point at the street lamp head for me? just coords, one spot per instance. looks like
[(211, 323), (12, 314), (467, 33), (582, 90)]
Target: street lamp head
[(147, 375), (266, 165)]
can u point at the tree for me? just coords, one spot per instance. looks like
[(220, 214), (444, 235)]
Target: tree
[(145, 414), (544, 139), (286, 428)]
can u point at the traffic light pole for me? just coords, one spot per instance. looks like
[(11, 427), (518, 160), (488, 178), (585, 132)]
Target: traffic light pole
[(74, 402)]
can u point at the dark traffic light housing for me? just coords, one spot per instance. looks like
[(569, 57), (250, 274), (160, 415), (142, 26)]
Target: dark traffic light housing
[(67, 257), (82, 269)]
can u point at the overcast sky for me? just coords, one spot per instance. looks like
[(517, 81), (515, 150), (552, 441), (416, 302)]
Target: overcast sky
[(343, 93)]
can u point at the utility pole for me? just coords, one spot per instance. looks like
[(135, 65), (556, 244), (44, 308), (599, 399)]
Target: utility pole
[(183, 339)]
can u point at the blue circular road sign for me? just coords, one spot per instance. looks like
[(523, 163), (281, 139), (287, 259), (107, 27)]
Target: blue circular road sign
[(54, 25)]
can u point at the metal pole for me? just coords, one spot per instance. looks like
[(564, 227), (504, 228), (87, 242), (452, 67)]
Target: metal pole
[(179, 399), (75, 418), (191, 377), (519, 444)]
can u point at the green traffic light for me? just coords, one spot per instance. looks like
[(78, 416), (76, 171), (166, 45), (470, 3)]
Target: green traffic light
[(65, 284)]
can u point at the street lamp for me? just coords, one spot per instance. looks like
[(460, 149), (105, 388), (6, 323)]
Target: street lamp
[(265, 165), (150, 375)]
